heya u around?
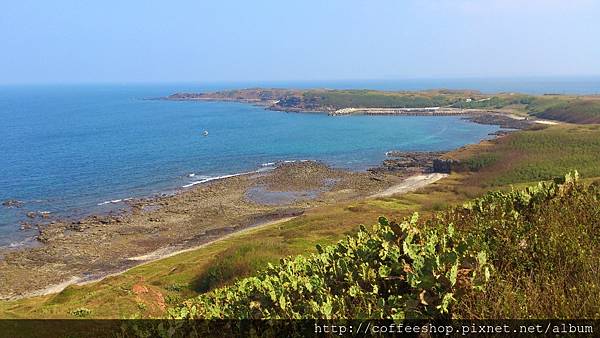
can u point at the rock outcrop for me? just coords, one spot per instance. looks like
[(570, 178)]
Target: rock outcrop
[(444, 166), (12, 203)]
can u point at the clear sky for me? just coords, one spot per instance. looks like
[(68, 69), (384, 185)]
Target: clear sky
[(62, 41)]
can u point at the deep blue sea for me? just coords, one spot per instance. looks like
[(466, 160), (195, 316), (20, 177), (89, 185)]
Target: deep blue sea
[(69, 149)]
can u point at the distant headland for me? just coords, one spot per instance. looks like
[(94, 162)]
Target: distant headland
[(517, 107)]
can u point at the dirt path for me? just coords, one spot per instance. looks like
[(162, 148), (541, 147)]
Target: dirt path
[(143, 259), (410, 184), (172, 251)]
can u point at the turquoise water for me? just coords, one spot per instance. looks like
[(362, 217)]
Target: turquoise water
[(71, 149)]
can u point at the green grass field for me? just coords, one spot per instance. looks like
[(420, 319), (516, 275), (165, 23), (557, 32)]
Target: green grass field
[(536, 155), (379, 99), (572, 109)]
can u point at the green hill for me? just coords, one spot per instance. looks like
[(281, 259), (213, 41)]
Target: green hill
[(530, 253)]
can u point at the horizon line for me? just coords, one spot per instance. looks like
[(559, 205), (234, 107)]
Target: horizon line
[(308, 81)]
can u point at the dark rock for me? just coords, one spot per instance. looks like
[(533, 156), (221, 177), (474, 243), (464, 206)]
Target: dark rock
[(408, 162), (290, 101), (12, 203), (25, 226), (443, 166), (49, 232), (501, 120), (77, 226), (501, 132)]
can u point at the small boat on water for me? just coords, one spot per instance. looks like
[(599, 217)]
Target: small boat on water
[(205, 133)]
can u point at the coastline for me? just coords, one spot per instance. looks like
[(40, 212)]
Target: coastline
[(408, 184), (90, 249), (202, 212), (144, 259), (274, 97), (97, 246)]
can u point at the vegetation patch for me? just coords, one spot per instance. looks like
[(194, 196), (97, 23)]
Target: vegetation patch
[(531, 156), (576, 111), (370, 98), (81, 312), (545, 236), (394, 271)]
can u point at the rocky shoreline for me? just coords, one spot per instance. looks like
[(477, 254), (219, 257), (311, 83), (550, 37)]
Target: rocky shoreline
[(100, 245), (412, 162), (87, 249)]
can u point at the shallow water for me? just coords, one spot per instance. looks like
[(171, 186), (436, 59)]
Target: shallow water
[(72, 150)]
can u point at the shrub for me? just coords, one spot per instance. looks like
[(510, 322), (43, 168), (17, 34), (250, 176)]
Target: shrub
[(529, 253), (394, 271), (81, 312)]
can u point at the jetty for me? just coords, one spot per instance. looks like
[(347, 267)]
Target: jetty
[(426, 111)]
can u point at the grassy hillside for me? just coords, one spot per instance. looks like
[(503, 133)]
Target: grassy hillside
[(575, 111), (532, 253), (534, 155), (566, 108), (572, 109), (544, 245), (371, 98)]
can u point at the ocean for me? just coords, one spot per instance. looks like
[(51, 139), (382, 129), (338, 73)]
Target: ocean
[(72, 150)]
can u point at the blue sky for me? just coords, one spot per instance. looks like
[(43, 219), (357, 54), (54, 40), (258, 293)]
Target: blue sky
[(64, 41)]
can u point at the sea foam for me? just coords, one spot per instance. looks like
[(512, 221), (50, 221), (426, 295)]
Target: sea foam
[(213, 179), (207, 179), (115, 201)]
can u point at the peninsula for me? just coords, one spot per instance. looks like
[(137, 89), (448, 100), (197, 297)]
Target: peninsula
[(565, 108)]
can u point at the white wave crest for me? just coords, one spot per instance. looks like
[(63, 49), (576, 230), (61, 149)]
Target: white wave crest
[(114, 201), (212, 179), (24, 242), (206, 179)]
